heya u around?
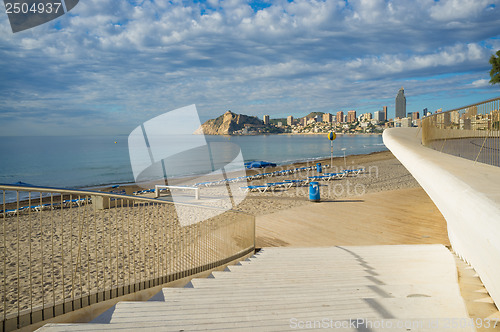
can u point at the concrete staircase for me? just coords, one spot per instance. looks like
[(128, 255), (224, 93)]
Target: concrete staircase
[(369, 288)]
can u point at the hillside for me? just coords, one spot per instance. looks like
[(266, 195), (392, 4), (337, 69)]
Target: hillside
[(227, 124)]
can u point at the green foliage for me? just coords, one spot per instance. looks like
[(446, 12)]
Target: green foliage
[(273, 130), (275, 121), (495, 68)]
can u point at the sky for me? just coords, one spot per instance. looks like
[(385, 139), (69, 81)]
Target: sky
[(107, 66)]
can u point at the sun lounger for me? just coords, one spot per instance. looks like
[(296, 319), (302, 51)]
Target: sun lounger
[(353, 171), (255, 188), (43, 207), (335, 176), (285, 185), (10, 212), (298, 183), (317, 177)]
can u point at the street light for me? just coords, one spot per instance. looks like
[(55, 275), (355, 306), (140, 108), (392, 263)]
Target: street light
[(331, 137), (345, 164)]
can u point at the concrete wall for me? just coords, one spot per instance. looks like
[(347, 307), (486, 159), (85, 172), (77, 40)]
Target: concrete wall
[(468, 196)]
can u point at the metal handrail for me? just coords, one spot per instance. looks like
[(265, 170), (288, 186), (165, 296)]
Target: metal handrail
[(82, 192), (66, 249), (471, 132)]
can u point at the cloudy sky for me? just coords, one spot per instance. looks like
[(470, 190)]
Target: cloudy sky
[(109, 65)]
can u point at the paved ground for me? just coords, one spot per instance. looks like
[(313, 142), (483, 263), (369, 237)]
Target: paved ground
[(405, 216)]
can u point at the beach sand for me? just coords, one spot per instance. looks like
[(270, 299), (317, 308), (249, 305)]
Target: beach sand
[(84, 232), (383, 172), (383, 205)]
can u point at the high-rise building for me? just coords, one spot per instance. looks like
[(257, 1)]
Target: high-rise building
[(303, 121), (455, 117), (406, 122), (327, 117), (424, 112), (447, 119), (340, 116), (379, 115), (289, 120), (415, 116), (351, 116), (401, 104), (266, 119), (384, 109)]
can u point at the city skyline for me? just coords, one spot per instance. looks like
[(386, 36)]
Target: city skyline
[(108, 66)]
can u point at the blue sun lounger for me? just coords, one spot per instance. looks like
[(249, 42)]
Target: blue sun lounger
[(298, 183), (261, 188), (353, 171)]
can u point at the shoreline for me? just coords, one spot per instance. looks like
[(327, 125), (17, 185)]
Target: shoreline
[(286, 165), (269, 134), (131, 187)]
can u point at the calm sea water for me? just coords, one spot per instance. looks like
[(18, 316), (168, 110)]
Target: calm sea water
[(90, 161)]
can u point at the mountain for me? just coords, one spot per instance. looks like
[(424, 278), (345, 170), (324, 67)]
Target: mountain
[(227, 124)]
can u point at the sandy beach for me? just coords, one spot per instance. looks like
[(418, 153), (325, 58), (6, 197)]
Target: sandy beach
[(78, 236)]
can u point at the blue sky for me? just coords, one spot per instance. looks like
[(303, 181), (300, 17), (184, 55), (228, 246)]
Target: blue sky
[(109, 65)]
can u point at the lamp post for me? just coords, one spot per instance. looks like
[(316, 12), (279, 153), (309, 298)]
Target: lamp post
[(331, 137), (345, 163)]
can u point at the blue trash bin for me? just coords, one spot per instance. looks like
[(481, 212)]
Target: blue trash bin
[(314, 192), (318, 168)]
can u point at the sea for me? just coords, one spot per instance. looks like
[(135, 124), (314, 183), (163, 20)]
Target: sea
[(93, 161)]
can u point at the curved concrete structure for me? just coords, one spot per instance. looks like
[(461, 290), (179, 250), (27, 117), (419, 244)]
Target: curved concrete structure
[(466, 193)]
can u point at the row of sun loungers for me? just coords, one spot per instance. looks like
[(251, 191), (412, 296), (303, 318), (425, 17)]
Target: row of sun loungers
[(257, 176), (302, 182), (48, 206), (268, 186), (146, 191), (271, 185)]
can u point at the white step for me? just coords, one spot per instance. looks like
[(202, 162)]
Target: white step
[(392, 308), (197, 295), (279, 287), (420, 325)]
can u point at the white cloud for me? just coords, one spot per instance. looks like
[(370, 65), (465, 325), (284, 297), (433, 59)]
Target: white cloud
[(291, 56), (481, 83), (451, 10)]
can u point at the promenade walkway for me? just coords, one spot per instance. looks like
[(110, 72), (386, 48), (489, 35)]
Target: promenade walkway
[(406, 216), (367, 288)]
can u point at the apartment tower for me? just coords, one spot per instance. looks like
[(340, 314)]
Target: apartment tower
[(401, 104)]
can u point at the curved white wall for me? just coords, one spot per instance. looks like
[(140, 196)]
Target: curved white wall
[(466, 193)]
